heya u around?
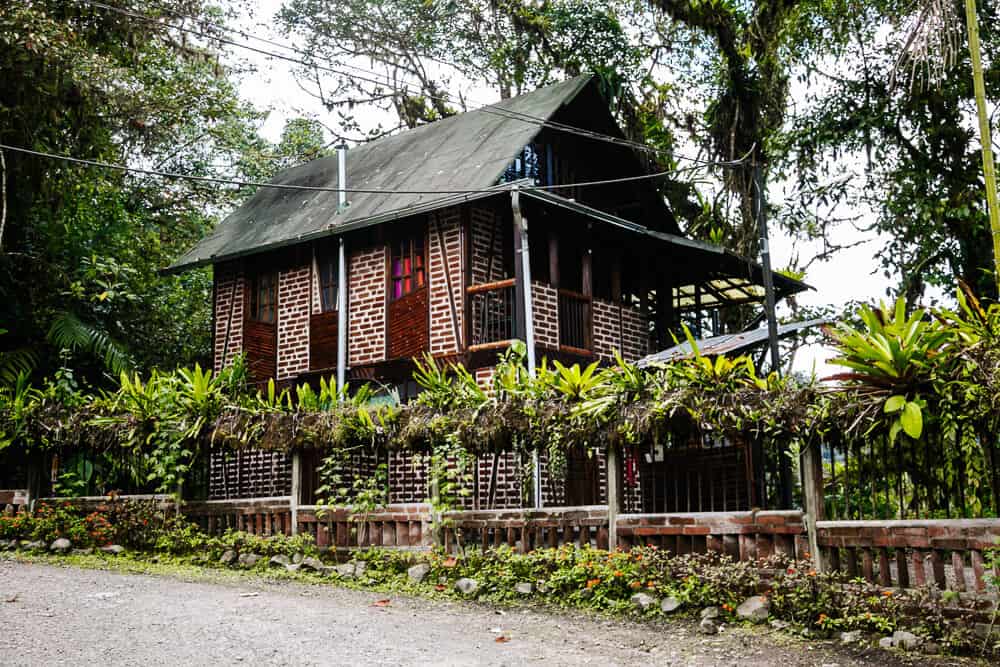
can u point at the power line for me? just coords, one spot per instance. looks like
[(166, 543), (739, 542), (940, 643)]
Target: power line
[(488, 108), (312, 188)]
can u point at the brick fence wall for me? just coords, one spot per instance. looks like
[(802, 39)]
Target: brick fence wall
[(249, 474), (947, 553)]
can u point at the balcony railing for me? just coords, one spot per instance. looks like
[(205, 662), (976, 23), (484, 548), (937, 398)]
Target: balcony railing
[(492, 313), (574, 320)]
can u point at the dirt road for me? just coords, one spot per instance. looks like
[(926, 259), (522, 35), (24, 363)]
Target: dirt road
[(54, 615)]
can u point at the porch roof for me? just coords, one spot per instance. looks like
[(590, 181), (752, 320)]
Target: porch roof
[(705, 275)]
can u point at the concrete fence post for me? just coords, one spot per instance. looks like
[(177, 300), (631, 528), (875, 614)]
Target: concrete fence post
[(296, 491), (614, 496)]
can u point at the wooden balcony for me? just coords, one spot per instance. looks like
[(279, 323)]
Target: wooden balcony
[(492, 314)]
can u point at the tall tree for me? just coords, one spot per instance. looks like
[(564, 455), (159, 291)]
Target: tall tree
[(909, 154), (81, 246)]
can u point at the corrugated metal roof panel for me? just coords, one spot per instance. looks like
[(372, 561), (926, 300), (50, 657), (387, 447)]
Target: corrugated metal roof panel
[(725, 344), (468, 151)]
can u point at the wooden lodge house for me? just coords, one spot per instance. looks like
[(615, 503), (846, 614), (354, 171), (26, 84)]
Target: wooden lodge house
[(442, 245)]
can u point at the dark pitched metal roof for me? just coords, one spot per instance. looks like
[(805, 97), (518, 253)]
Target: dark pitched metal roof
[(716, 345), (468, 151)]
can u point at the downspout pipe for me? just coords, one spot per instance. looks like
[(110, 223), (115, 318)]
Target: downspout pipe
[(342, 311), (529, 325)]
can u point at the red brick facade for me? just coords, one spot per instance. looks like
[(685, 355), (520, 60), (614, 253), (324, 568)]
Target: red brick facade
[(293, 321), (487, 246), (366, 305), (619, 328), (446, 269), (228, 315), (545, 306), (449, 233)]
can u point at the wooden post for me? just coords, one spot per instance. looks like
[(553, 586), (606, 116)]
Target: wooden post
[(553, 259), (294, 499), (614, 500), (812, 495)]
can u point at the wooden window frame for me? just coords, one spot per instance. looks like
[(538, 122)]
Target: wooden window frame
[(328, 285), (411, 246), (263, 310)]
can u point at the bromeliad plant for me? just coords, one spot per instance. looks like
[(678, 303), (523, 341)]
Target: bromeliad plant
[(892, 364)]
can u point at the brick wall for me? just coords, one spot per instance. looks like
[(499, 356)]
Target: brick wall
[(249, 474), (487, 227), (293, 321), (484, 378), (225, 296), (445, 226), (545, 306), (635, 327), (407, 478), (508, 488), (366, 304), (623, 329)]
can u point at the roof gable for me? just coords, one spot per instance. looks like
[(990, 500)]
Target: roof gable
[(468, 151)]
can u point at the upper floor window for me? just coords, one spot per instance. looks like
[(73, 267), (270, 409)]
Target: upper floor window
[(264, 297), (327, 273), (407, 265)]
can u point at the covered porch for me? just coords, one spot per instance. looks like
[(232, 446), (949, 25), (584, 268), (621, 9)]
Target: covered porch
[(598, 283)]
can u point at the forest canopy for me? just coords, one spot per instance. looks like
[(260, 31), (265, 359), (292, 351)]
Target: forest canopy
[(804, 90)]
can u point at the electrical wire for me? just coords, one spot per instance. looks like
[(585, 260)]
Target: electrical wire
[(316, 188), (488, 108)]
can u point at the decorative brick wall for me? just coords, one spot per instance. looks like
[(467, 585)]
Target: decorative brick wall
[(293, 321), (635, 329), (487, 226), (508, 489), (619, 328), (545, 305), (407, 478), (366, 304), (484, 378), (249, 474), (446, 226), (228, 312)]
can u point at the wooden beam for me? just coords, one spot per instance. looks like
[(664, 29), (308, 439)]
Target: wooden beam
[(553, 259), (812, 495), (616, 277), (587, 273)]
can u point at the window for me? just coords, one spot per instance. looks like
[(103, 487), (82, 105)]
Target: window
[(264, 297), (327, 272), (408, 267)]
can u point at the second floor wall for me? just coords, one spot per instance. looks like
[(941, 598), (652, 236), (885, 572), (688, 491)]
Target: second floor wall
[(441, 283)]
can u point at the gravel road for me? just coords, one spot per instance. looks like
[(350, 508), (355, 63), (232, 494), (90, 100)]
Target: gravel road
[(60, 615)]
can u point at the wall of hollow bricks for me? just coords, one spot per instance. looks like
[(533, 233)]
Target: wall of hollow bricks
[(249, 475)]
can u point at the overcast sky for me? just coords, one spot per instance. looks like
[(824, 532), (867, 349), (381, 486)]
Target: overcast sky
[(853, 274)]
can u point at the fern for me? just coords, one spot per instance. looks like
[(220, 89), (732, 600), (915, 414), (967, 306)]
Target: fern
[(16, 362), (70, 332)]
